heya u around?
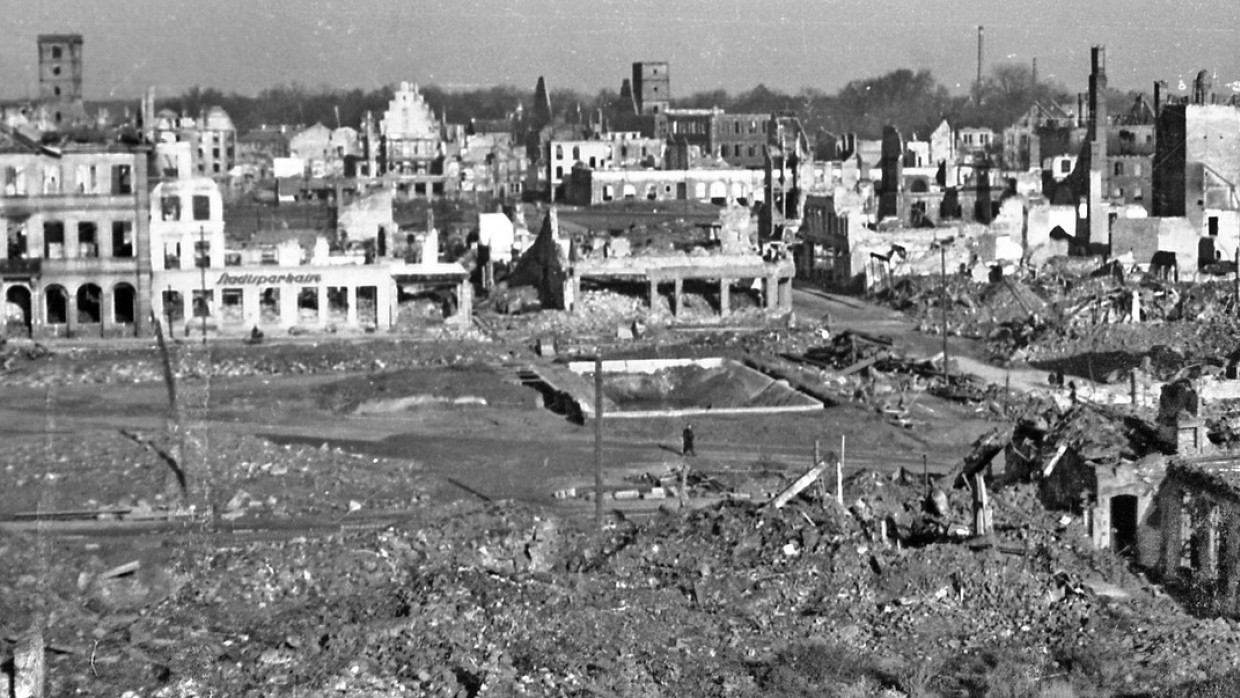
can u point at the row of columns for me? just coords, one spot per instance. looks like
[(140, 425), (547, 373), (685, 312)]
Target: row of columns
[(1205, 534), (777, 294)]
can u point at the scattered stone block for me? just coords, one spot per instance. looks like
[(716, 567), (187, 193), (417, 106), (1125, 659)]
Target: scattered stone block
[(28, 667)]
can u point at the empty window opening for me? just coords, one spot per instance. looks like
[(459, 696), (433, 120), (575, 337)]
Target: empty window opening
[(1124, 523), (308, 305), (122, 238), (203, 302), (53, 240), (18, 243), (122, 179), (124, 300), (202, 254), (56, 300), (231, 306), (170, 208), (174, 306), (88, 179), (14, 181), (172, 255), (88, 239), (51, 179), (89, 304), (57, 53), (269, 306), (337, 304), (368, 305), (18, 317)]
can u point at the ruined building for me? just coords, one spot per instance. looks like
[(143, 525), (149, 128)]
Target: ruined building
[(60, 78), (76, 262), (652, 87), (1197, 169)]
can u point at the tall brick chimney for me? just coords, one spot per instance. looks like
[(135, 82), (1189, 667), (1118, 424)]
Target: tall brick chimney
[(1099, 186)]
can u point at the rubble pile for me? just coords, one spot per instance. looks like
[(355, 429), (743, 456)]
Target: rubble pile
[(1065, 310), (230, 475), (479, 599), (40, 367)]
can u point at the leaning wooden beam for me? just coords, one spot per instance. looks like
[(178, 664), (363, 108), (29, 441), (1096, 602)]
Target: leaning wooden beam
[(1050, 465), (799, 486), (985, 448), (864, 364)]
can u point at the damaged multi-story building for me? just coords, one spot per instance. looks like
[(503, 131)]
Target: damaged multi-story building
[(76, 262), (1197, 169), (407, 147)]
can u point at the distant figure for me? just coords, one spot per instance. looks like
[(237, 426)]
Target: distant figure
[(256, 336), (687, 441), (1072, 391), (1059, 378)]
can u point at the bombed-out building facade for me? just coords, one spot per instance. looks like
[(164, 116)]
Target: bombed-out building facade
[(76, 261)]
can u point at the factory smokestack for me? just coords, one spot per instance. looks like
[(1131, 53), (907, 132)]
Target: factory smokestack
[(977, 89)]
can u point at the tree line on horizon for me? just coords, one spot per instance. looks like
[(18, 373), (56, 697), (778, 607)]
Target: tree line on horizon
[(912, 101)]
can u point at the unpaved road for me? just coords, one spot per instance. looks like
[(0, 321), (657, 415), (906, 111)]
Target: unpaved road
[(850, 312)]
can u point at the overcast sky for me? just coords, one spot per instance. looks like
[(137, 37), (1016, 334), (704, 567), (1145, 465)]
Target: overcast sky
[(246, 45)]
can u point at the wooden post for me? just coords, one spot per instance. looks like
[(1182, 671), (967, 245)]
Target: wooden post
[(28, 666), (839, 474), (1132, 387), (943, 298), (598, 442), (1007, 392), (822, 486)]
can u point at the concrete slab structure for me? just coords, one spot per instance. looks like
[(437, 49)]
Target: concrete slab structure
[(727, 270)]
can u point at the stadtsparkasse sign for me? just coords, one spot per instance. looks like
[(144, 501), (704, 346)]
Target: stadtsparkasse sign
[(227, 279)]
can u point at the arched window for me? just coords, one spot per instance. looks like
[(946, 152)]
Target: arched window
[(123, 303), (56, 305), (89, 304)]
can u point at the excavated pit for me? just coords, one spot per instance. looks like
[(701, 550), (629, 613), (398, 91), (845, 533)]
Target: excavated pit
[(680, 387)]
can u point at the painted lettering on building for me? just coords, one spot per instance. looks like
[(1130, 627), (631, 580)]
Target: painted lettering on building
[(227, 279)]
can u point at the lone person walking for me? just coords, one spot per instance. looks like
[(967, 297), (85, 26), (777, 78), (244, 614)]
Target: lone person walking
[(687, 441)]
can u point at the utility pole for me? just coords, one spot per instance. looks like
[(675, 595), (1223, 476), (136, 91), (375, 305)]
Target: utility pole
[(202, 277), (598, 442), (168, 311), (943, 299)]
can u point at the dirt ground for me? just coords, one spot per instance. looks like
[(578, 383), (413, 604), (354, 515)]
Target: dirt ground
[(378, 517)]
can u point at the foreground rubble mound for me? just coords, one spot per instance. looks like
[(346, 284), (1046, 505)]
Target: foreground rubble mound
[(37, 366), (497, 599)]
